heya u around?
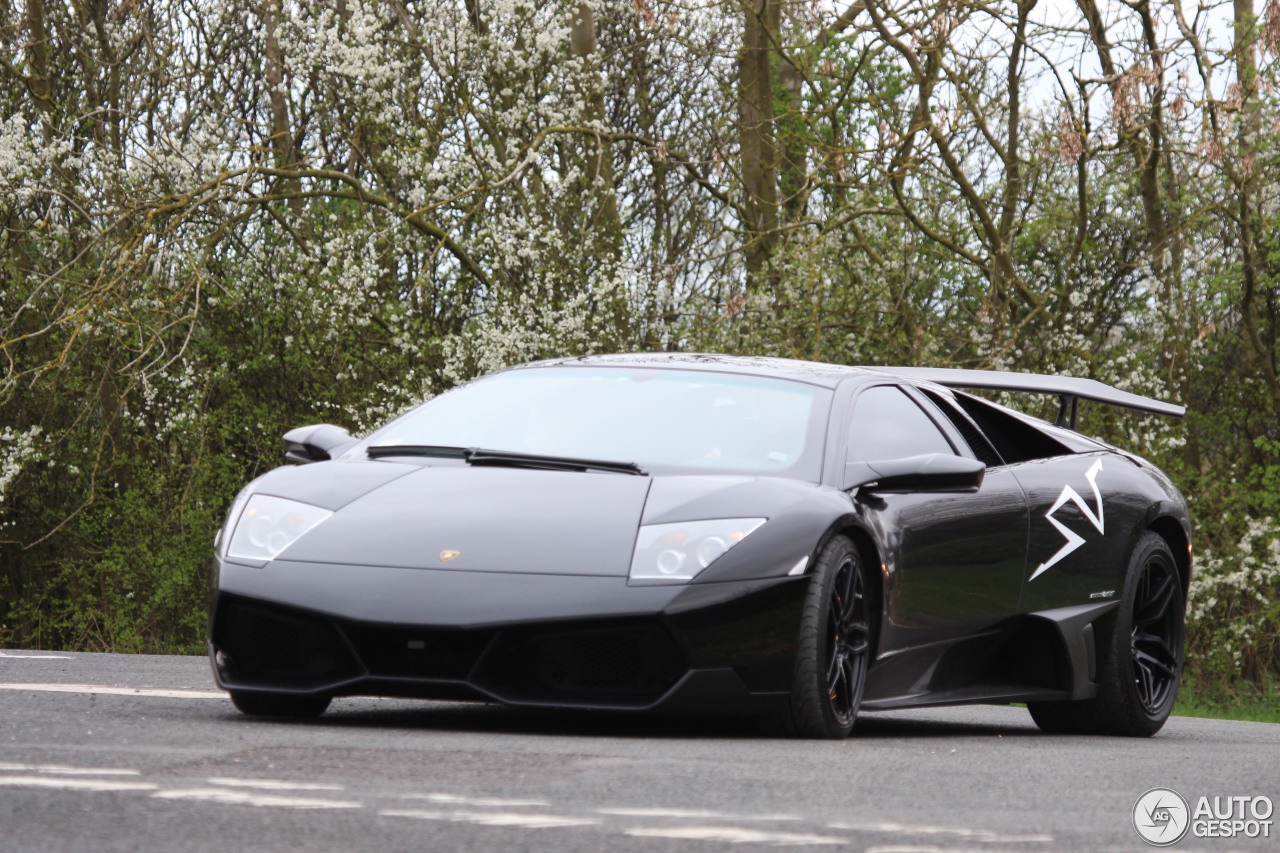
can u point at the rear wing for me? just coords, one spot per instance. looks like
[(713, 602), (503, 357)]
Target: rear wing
[(1069, 389)]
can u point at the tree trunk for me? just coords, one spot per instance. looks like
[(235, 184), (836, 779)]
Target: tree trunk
[(282, 147), (1248, 186), (41, 88), (606, 230), (759, 153)]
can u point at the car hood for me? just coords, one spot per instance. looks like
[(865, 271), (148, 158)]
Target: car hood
[(479, 519)]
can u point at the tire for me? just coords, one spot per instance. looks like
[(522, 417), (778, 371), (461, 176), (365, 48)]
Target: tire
[(835, 646), (279, 704), (1140, 659)]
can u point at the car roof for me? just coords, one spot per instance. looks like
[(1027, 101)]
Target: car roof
[(1067, 388), (821, 374), (813, 372)]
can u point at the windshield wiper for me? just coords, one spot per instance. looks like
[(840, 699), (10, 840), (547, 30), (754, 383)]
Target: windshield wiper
[(509, 458), (477, 456), (381, 450)]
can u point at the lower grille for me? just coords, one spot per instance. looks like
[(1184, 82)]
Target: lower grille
[(618, 664), (417, 653)]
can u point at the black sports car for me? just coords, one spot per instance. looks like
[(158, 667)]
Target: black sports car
[(703, 533)]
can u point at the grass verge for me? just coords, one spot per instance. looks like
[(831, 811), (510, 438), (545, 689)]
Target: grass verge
[(1244, 703)]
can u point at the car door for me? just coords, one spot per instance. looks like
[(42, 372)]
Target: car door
[(954, 561), (1086, 504)]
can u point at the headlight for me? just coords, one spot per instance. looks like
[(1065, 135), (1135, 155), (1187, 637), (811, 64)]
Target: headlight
[(229, 523), (268, 525), (677, 552)]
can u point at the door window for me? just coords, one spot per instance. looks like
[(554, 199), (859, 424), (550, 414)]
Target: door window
[(887, 424)]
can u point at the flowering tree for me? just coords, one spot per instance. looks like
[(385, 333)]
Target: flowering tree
[(225, 219)]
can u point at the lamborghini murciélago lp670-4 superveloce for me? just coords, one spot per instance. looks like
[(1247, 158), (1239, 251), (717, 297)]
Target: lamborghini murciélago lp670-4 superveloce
[(712, 534)]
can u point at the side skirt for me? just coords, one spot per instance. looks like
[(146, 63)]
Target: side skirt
[(1049, 655)]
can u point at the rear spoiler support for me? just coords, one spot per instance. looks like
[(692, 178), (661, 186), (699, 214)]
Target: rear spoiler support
[(1065, 418)]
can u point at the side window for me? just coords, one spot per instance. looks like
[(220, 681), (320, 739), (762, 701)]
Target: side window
[(887, 424), (1015, 439), (977, 441)]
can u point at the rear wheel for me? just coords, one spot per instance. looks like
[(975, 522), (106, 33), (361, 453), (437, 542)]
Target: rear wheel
[(1141, 658), (279, 704), (834, 645)]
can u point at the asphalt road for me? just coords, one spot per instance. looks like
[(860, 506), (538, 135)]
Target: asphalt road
[(130, 752)]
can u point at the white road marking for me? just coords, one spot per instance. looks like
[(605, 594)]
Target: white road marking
[(272, 784), (117, 691), (984, 835), (693, 814), (524, 821), (455, 799), (916, 848), (74, 784), (35, 657), (244, 798), (62, 770), (733, 835)]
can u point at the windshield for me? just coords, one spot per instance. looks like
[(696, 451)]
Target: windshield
[(677, 421)]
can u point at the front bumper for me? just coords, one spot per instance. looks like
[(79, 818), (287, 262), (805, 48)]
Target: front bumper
[(525, 640)]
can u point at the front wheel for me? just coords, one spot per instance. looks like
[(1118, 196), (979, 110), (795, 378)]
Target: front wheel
[(834, 649), (1141, 658), (279, 704)]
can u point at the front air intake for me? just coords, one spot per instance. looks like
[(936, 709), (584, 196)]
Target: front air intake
[(628, 664), (417, 653), (270, 646)]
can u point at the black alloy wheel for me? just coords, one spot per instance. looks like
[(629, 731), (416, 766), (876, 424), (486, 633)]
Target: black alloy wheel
[(1156, 635), (848, 640), (835, 645)]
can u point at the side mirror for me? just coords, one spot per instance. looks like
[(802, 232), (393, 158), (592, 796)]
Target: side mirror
[(316, 443), (932, 472)]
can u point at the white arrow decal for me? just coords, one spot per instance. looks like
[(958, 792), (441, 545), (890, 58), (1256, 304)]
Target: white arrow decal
[(1074, 540)]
